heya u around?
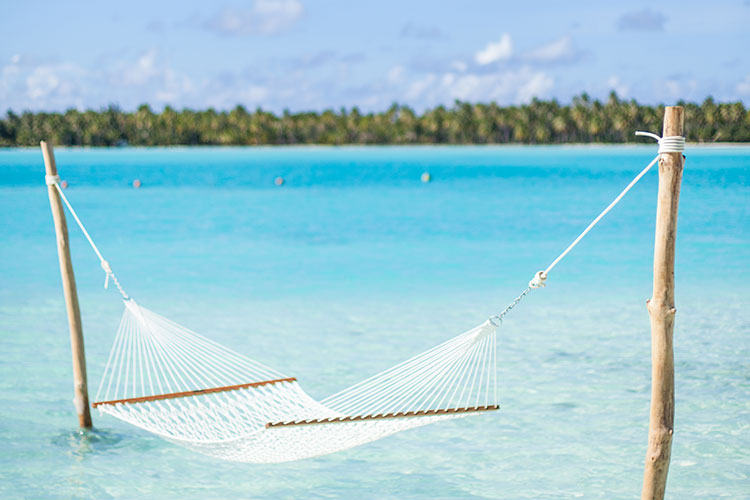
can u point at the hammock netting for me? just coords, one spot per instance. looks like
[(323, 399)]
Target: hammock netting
[(192, 391)]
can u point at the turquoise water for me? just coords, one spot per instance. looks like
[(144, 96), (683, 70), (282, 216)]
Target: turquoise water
[(354, 265)]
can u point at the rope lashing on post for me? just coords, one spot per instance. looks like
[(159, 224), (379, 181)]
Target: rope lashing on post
[(669, 144)]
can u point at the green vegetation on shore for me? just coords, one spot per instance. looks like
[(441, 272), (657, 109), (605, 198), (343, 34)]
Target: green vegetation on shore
[(540, 122)]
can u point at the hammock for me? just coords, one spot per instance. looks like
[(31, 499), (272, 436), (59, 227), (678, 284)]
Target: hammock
[(185, 388), (181, 386)]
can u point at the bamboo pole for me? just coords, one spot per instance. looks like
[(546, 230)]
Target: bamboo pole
[(662, 311), (81, 396)]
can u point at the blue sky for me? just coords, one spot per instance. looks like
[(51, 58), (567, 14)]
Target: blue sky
[(312, 55)]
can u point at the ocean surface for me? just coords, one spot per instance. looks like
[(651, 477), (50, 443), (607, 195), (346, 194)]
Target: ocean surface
[(354, 265)]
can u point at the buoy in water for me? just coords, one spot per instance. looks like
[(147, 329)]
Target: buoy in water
[(137, 183), (426, 177), (279, 181), (64, 184)]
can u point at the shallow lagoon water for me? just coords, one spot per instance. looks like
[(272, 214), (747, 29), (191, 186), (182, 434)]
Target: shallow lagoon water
[(355, 265)]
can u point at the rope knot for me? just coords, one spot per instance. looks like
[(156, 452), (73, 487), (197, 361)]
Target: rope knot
[(51, 180), (539, 280)]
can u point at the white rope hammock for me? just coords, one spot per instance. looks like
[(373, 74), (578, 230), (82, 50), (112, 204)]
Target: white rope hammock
[(172, 382), (158, 373)]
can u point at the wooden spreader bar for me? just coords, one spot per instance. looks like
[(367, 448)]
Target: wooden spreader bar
[(174, 395), (403, 414)]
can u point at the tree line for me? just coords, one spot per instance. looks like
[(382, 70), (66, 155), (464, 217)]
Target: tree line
[(584, 120)]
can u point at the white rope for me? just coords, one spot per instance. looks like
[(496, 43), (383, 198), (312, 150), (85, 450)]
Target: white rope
[(668, 144), (54, 180), (599, 217)]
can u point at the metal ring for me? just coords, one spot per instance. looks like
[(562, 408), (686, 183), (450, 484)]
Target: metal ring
[(495, 320)]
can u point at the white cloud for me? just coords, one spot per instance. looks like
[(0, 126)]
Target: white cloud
[(172, 85), (254, 94), (673, 87), (33, 86), (614, 83), (150, 76), (495, 51), (26, 84), (743, 88), (467, 86), (538, 85), (248, 94), (264, 17), (395, 74), (459, 66), (508, 86), (8, 74), (677, 88), (129, 80), (42, 82), (560, 50), (418, 87), (277, 15), (142, 70)]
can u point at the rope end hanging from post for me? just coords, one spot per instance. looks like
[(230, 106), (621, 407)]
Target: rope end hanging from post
[(107, 271)]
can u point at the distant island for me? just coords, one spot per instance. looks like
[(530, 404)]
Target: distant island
[(584, 120)]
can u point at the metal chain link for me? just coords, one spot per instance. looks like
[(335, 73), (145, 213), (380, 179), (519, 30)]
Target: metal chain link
[(117, 284), (497, 319)]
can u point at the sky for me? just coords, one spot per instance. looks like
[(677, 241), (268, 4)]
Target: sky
[(310, 55)]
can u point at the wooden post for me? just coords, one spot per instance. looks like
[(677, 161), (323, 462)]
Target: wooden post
[(661, 310), (81, 397)]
